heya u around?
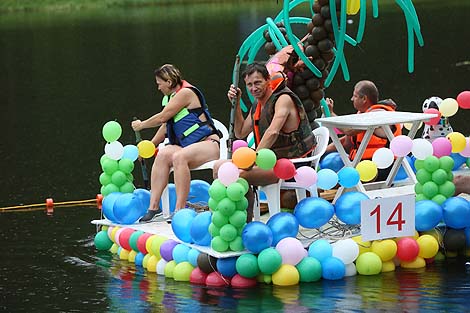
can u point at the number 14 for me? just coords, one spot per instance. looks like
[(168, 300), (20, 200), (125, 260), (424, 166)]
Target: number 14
[(395, 218)]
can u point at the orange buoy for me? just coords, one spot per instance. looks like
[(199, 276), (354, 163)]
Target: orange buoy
[(99, 201), (49, 206)]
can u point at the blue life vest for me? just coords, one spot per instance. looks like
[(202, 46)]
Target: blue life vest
[(186, 127)]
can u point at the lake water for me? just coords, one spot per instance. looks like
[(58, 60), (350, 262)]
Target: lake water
[(64, 74)]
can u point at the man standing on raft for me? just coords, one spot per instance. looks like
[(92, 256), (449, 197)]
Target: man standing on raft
[(277, 120)]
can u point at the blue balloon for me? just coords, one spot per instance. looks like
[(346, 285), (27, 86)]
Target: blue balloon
[(348, 207), (257, 236), (139, 258), (227, 266), (320, 249), (107, 206), (144, 197), (427, 215), (332, 161), (192, 256), (200, 229), (411, 160), (180, 253), (130, 152), (181, 224), (283, 224), (127, 208), (459, 160), (348, 177), (333, 268), (401, 174), (199, 192), (456, 212), (326, 179), (313, 212)]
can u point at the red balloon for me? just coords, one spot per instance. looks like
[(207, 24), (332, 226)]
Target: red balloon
[(239, 281), (463, 99), (284, 169), (407, 249), (434, 120), (124, 238), (215, 279), (141, 242), (198, 277)]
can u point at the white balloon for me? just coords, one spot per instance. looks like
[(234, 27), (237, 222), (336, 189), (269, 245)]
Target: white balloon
[(114, 150), (421, 148), (350, 270), (161, 267), (346, 250), (383, 157)]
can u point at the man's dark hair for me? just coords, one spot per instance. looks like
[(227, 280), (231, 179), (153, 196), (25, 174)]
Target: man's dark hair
[(368, 88), (256, 67)]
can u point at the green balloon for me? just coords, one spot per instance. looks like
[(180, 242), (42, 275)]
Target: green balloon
[(430, 189), (217, 190), (109, 188), (420, 196), (133, 239), (419, 164), (118, 178), (219, 219), (309, 269), (423, 176), (265, 159), (109, 166), (111, 131), (238, 218), (237, 244), (431, 163), (105, 179), (130, 177), (244, 183), (214, 230), (226, 207), (228, 232), (126, 165), (182, 271), (218, 244), (102, 241), (446, 163), (212, 204), (127, 187), (418, 188), (368, 263), (450, 176), (447, 189), (269, 261), (170, 268), (247, 265), (439, 176), (242, 205), (103, 158), (439, 199), (235, 191)]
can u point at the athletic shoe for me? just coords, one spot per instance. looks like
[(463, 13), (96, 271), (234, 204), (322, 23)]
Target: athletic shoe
[(150, 216)]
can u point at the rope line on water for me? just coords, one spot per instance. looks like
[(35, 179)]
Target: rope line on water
[(50, 204)]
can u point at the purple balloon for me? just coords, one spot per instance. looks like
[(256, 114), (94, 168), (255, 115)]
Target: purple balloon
[(166, 249)]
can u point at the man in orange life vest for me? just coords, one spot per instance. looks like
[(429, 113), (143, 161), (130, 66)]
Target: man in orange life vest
[(365, 99), (277, 119)]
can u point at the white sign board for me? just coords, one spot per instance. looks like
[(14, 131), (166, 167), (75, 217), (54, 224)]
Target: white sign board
[(388, 217)]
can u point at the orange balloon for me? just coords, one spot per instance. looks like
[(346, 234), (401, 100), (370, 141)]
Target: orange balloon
[(244, 157)]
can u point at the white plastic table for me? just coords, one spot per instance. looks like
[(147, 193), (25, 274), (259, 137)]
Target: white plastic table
[(370, 121)]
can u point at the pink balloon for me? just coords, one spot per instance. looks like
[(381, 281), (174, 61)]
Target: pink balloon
[(305, 176), (228, 173), (117, 235), (238, 144), (434, 120), (291, 250), (401, 145), (466, 152), (463, 99), (441, 147)]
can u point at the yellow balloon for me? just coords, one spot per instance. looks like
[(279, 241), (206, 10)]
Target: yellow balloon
[(244, 157), (458, 141), (132, 255), (156, 244), (388, 266), (286, 275), (364, 246), (367, 170), (428, 246), (385, 249), (114, 248), (353, 7), (169, 268), (448, 107), (145, 260), (409, 125), (152, 264), (124, 254), (113, 233), (148, 244), (419, 262), (146, 148)]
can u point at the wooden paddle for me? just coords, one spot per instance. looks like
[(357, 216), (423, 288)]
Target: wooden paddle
[(231, 132)]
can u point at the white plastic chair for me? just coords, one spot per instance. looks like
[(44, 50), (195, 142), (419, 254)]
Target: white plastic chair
[(273, 191), (206, 166)]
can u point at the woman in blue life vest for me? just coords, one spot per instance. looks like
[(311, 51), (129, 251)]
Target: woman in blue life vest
[(193, 138)]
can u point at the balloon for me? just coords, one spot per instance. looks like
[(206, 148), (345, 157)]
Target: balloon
[(124, 238), (244, 157), (228, 232), (385, 249), (309, 270), (439, 176), (238, 218), (459, 160), (235, 191), (367, 170), (139, 258), (219, 245), (126, 165), (431, 164), (127, 209), (141, 243), (144, 196), (130, 152), (257, 236), (146, 149), (332, 161), (238, 144), (169, 269), (434, 120), (266, 159), (198, 277), (430, 189), (456, 212), (333, 268), (463, 100), (227, 266), (401, 145), (441, 147), (466, 151), (320, 249), (102, 241), (134, 238), (237, 244), (217, 190), (286, 275), (166, 249), (182, 271), (454, 239), (111, 131), (180, 253), (383, 157), (239, 281), (118, 178), (407, 249), (228, 173), (291, 250), (109, 166), (428, 246), (448, 107), (368, 263), (283, 224), (348, 177), (427, 215), (364, 246), (107, 206), (326, 179), (305, 176), (269, 261), (457, 141), (348, 207), (156, 245), (105, 179), (200, 229), (247, 265), (219, 219), (181, 224), (192, 256), (206, 263), (421, 148), (346, 250), (114, 150), (350, 270), (313, 212), (127, 187), (227, 207), (284, 169)]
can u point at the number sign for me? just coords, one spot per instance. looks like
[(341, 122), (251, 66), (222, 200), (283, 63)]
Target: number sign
[(388, 217)]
